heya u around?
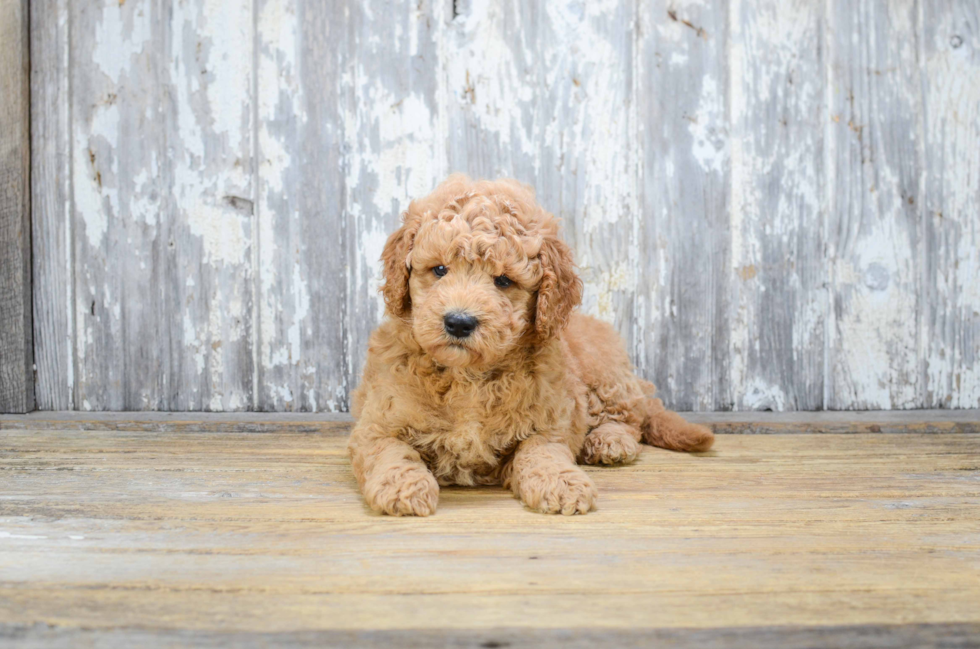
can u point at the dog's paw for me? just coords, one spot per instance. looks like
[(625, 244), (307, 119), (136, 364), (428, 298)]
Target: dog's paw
[(558, 491), (403, 490), (610, 443)]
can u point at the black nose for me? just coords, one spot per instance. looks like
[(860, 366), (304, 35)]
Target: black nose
[(459, 325)]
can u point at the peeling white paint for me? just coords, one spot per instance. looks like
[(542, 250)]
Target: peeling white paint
[(874, 348), (760, 396), (483, 73), (951, 206), (222, 232), (709, 129), (599, 292), (301, 308), (370, 245), (113, 54), (211, 74), (776, 198), (403, 168), (96, 195), (229, 69), (278, 82), (191, 340)]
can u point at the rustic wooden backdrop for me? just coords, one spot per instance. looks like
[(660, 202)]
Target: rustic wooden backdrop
[(777, 202)]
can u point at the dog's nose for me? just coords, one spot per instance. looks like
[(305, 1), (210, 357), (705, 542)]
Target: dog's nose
[(459, 325)]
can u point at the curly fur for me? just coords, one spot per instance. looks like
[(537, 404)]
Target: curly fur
[(535, 388)]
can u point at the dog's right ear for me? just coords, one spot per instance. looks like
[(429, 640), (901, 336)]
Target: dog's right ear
[(398, 300)]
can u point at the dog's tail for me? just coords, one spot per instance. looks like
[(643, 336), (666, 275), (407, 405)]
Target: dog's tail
[(667, 429)]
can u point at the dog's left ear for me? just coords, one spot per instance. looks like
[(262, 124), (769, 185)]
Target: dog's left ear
[(561, 288), (398, 300)]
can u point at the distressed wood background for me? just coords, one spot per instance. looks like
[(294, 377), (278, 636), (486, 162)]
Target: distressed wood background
[(777, 202), (16, 347)]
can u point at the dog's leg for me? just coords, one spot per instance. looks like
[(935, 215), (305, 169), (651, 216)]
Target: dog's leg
[(667, 429), (545, 477), (611, 443), (392, 476)]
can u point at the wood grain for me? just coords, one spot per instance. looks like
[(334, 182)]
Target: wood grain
[(950, 262), (684, 322), (779, 297), (874, 230), (195, 534), (739, 423), (861, 636), (299, 247), (51, 217), (16, 344), (161, 177)]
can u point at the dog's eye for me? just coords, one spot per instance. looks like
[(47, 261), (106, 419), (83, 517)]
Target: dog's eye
[(440, 271), (502, 281)]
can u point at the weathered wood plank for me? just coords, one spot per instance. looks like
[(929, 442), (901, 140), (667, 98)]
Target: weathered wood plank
[(16, 329), (841, 422), (120, 201), (685, 301), (553, 107), (776, 62), (162, 173), (950, 289), (54, 335), (211, 68), (753, 422), (873, 233), (395, 144), (300, 245), (867, 636), (190, 533), (494, 81)]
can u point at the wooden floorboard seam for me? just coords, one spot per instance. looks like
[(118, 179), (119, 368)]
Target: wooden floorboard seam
[(737, 423)]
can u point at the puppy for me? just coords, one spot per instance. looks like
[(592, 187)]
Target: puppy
[(482, 372)]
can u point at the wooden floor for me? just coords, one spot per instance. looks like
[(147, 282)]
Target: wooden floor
[(168, 531)]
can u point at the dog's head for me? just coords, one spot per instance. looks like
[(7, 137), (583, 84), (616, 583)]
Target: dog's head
[(476, 268)]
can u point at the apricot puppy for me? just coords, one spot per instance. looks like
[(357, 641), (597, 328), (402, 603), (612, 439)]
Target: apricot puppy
[(482, 373)]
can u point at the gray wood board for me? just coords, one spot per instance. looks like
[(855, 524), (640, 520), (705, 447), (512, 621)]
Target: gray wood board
[(300, 269), (874, 228), (51, 202), (683, 91), (778, 288), (949, 272), (863, 636), (161, 160), (16, 345), (775, 203), (906, 421)]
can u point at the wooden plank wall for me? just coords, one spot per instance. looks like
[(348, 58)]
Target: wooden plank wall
[(16, 346), (777, 203)]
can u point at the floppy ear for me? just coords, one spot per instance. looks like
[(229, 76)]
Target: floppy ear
[(398, 301), (561, 289)]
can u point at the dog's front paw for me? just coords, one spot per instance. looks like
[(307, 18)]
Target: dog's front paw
[(558, 491), (402, 490)]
